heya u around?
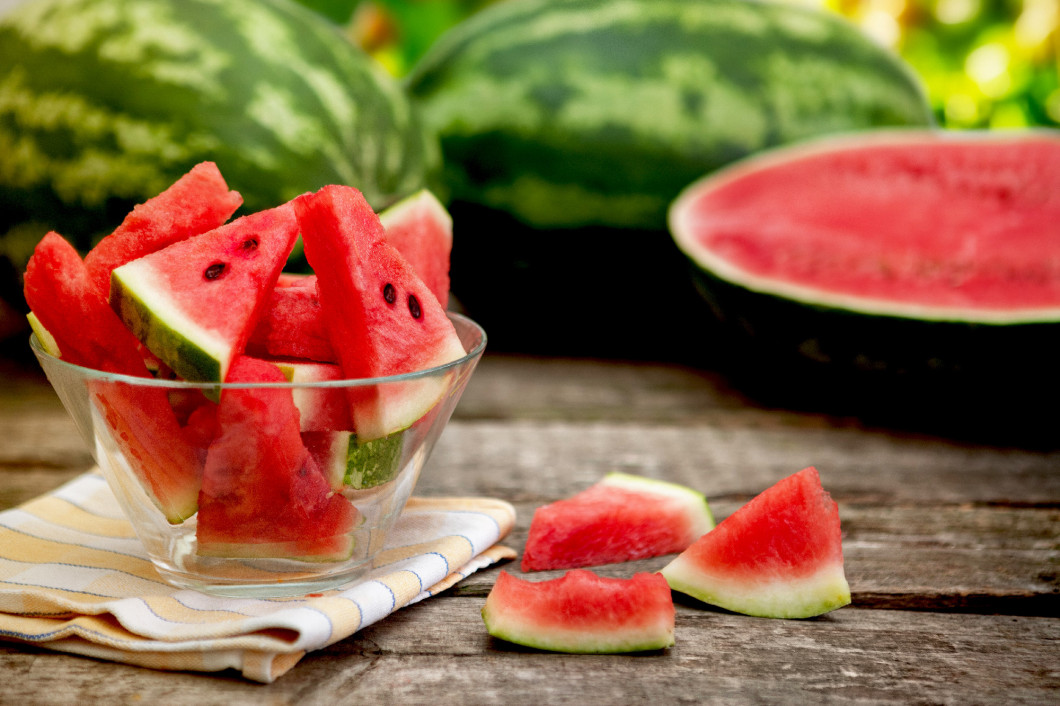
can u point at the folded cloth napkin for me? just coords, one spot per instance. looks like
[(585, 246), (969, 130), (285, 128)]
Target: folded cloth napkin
[(74, 578)]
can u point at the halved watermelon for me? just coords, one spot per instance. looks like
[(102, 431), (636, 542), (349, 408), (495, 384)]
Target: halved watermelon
[(195, 303), (778, 556), (621, 518), (263, 495), (422, 231), (904, 251), (196, 203), (581, 612), (382, 319)]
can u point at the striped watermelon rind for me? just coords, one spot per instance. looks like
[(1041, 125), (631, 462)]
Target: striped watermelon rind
[(599, 111), (103, 105)]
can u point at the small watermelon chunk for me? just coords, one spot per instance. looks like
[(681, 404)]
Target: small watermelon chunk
[(320, 408), (292, 325), (196, 203), (581, 612), (778, 556), (195, 303), (422, 231), (621, 518), (64, 301), (382, 319), (263, 495)]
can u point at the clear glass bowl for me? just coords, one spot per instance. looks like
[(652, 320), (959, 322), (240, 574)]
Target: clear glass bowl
[(257, 518)]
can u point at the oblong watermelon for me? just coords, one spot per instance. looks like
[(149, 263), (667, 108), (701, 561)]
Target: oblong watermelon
[(904, 251), (103, 105), (778, 556), (620, 518), (581, 612)]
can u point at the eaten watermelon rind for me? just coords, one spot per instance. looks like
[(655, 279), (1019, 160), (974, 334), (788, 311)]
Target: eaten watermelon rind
[(605, 616), (822, 592), (696, 502)]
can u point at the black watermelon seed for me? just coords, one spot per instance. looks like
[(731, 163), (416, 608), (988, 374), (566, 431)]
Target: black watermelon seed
[(214, 271), (414, 307), (250, 244), (389, 294)]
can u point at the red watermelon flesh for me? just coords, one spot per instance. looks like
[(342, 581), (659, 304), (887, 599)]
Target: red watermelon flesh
[(262, 494), (382, 319), (292, 325), (422, 230), (927, 225), (320, 408), (779, 556), (581, 612), (197, 202), (195, 303), (621, 518), (61, 294)]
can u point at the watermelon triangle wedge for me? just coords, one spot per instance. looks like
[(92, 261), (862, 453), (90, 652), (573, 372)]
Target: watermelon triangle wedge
[(194, 303), (778, 556), (381, 318)]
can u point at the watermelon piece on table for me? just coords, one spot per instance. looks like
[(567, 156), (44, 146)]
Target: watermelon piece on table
[(263, 495), (196, 203), (195, 303), (581, 612), (621, 518), (382, 319), (778, 556), (63, 299), (421, 229)]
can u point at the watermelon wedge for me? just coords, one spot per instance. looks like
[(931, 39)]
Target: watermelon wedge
[(581, 612), (422, 231), (621, 518), (292, 325), (382, 319), (778, 556), (196, 203), (319, 408), (263, 495), (195, 303)]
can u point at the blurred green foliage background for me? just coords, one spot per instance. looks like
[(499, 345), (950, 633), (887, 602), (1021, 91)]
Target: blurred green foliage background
[(984, 63)]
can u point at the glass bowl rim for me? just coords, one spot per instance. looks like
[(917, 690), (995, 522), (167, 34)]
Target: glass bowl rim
[(104, 376)]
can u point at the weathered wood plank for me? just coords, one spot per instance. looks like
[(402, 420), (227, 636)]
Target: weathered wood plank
[(438, 652)]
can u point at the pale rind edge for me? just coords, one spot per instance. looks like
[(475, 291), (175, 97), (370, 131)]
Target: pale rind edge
[(699, 512), (821, 592), (616, 638)]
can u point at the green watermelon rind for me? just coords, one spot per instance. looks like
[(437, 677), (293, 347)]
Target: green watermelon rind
[(824, 591), (540, 117), (191, 350), (362, 465), (423, 197)]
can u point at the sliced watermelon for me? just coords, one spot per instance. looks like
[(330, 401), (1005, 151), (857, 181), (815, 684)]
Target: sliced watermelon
[(64, 301), (292, 324), (583, 613), (196, 203), (621, 518), (263, 495), (382, 319), (195, 303), (349, 463), (422, 231), (778, 556), (320, 408)]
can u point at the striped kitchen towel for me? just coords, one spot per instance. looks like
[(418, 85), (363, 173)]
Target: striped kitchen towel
[(74, 578)]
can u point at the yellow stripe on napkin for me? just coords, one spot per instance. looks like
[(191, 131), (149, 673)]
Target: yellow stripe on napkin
[(74, 578)]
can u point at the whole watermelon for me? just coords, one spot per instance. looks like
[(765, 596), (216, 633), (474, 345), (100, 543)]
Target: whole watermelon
[(568, 126), (104, 103)]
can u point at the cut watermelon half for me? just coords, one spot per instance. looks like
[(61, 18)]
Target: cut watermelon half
[(263, 495), (778, 556), (382, 319), (196, 203), (621, 518), (195, 303), (581, 612), (422, 231)]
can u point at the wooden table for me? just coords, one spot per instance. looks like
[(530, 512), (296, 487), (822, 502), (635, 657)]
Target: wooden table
[(952, 552)]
